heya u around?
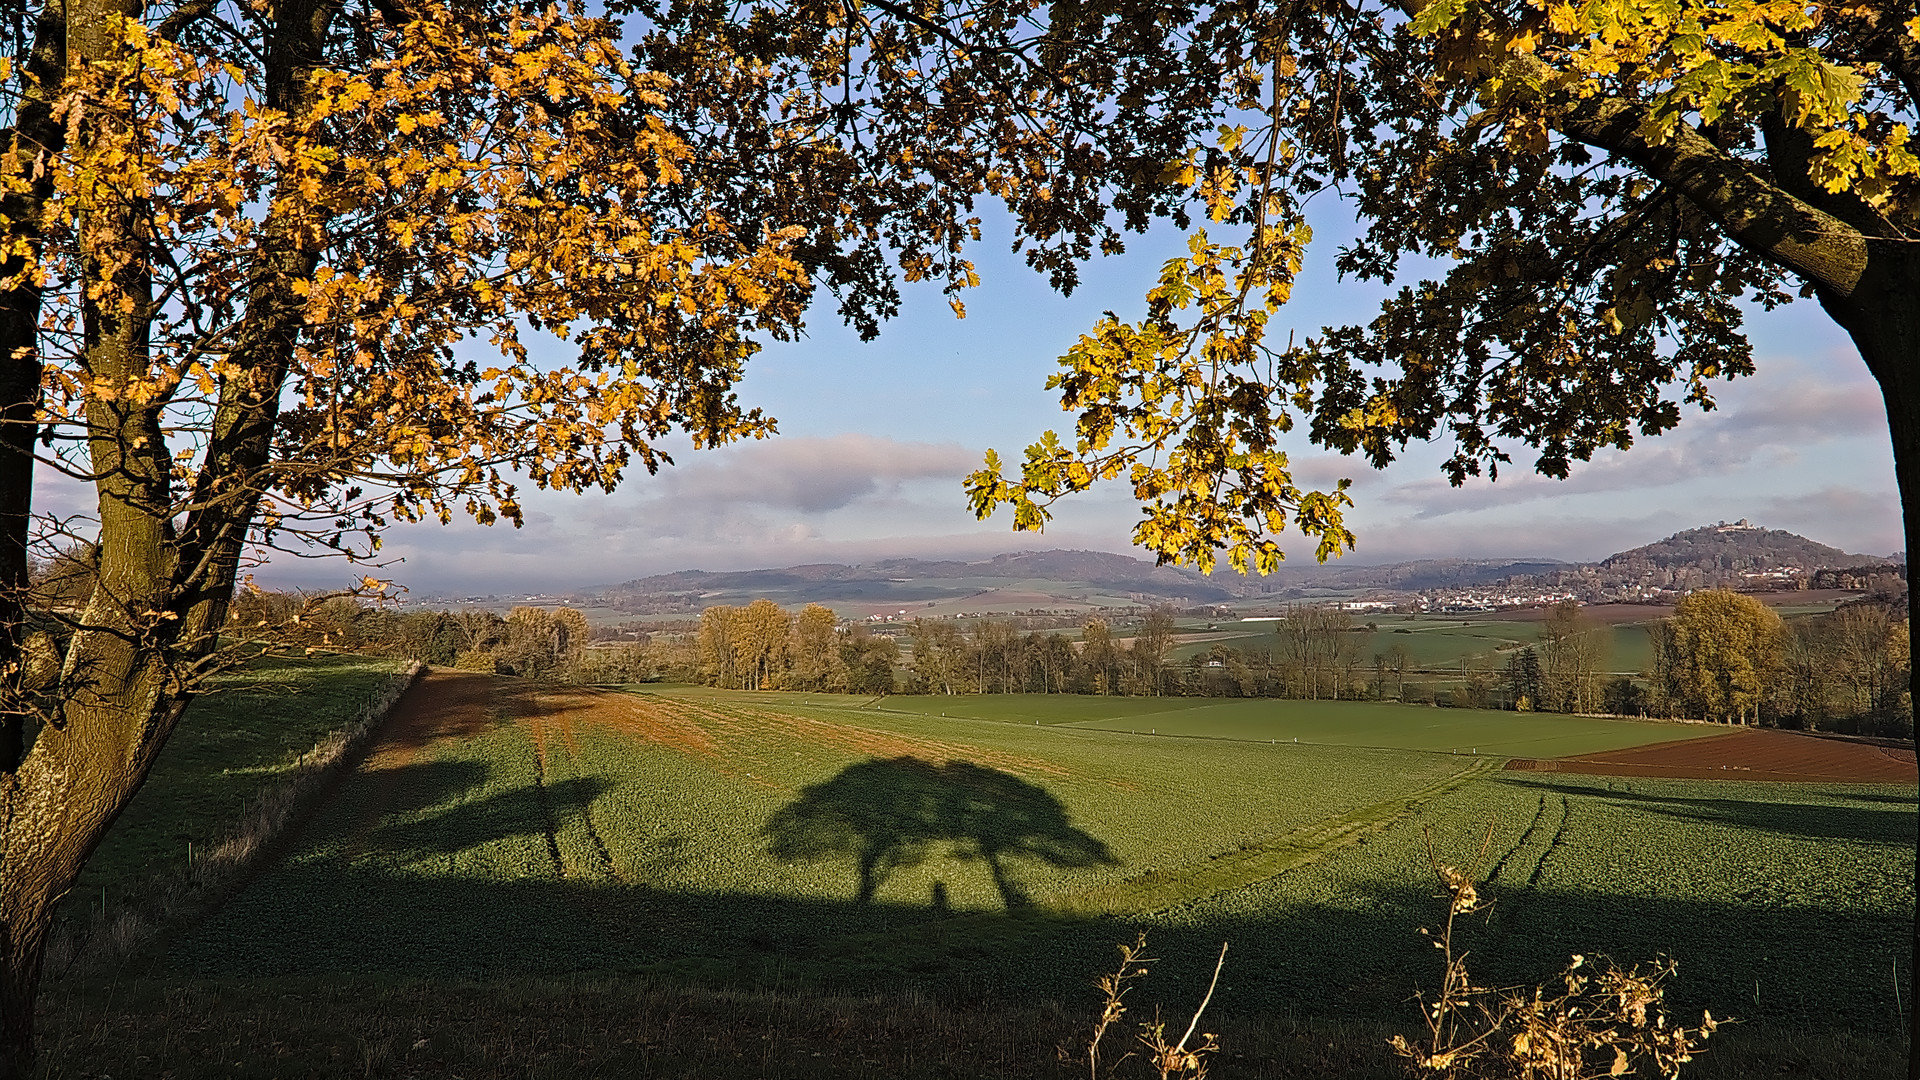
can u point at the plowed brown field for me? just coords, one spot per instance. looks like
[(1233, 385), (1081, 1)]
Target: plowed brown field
[(1762, 754), (456, 705)]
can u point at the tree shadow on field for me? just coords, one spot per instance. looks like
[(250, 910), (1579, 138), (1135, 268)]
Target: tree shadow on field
[(522, 811), (886, 815), (1891, 822), (439, 808)]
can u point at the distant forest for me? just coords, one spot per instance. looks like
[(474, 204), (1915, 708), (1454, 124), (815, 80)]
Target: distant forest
[(1723, 656)]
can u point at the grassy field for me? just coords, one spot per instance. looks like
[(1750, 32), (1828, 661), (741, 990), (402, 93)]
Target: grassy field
[(1433, 643), (1326, 723), (942, 890), (243, 735)]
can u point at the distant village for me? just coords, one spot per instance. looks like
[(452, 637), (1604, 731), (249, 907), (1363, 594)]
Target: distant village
[(1739, 555)]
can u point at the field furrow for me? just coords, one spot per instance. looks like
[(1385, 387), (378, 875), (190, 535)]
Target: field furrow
[(1259, 861)]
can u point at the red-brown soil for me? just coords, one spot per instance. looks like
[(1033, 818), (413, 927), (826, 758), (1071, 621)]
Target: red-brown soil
[(1760, 754), (448, 704), (442, 704)]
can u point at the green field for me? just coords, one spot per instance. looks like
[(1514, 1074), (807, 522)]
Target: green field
[(1433, 643), (245, 733), (1327, 723), (777, 844)]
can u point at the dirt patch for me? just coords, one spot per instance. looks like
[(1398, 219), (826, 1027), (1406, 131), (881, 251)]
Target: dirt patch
[(1762, 754), (458, 705), (885, 744), (561, 710), (441, 704)]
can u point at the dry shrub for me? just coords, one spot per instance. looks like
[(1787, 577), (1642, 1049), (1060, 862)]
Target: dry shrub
[(1164, 1058), (1594, 1020)]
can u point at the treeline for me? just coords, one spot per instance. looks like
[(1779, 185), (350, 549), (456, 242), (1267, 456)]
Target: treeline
[(762, 647), (1726, 657), (1318, 653), (532, 642), (1722, 657)]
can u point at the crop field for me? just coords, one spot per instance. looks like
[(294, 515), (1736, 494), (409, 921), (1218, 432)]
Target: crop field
[(1433, 643), (630, 807), (1329, 723), (699, 838)]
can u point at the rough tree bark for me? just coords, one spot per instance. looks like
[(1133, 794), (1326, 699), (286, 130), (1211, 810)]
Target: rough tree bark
[(1882, 315), (161, 592)]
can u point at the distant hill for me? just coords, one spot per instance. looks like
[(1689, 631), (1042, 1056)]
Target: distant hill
[(1733, 548), (1064, 581), (1415, 576), (1023, 580)]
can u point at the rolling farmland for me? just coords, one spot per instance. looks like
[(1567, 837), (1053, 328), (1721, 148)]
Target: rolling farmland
[(1327, 723), (1434, 643), (502, 833), (524, 830)]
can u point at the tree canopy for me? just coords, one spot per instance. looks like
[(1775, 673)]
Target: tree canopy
[(1595, 190), (268, 271)]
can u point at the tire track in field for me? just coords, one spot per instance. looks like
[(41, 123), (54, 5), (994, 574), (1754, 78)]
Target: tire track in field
[(1157, 890), (541, 727), (608, 868), (1500, 864), (1511, 900), (1559, 834), (545, 799)]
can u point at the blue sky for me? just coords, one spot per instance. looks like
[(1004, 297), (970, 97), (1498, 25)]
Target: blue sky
[(875, 438)]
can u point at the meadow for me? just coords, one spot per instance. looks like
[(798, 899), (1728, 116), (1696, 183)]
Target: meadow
[(248, 731), (1381, 725), (743, 858), (1433, 643)]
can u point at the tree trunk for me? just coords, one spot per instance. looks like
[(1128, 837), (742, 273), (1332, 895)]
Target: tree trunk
[(1883, 317)]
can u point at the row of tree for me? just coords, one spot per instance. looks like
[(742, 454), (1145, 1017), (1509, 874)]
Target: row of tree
[(1725, 656), (1722, 656), (762, 647)]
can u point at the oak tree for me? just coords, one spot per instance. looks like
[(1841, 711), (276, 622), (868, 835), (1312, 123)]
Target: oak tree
[(268, 273), (1720, 656), (1577, 200)]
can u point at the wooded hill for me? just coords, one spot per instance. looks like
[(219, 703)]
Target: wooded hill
[(1083, 579), (1078, 578), (1736, 547)]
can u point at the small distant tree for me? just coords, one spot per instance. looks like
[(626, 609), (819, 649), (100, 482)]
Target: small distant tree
[(570, 634), (1573, 649), (1523, 678), (1397, 661), (1098, 657), (813, 653), (1624, 697), (1150, 647), (760, 644), (936, 654), (719, 625)]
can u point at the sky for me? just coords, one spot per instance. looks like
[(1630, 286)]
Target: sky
[(875, 438)]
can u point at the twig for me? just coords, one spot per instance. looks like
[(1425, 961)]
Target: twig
[(1218, 964)]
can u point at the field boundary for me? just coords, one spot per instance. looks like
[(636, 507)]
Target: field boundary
[(114, 937), (1158, 889)]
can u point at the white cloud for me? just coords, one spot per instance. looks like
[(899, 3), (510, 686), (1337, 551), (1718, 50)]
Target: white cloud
[(1767, 424)]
